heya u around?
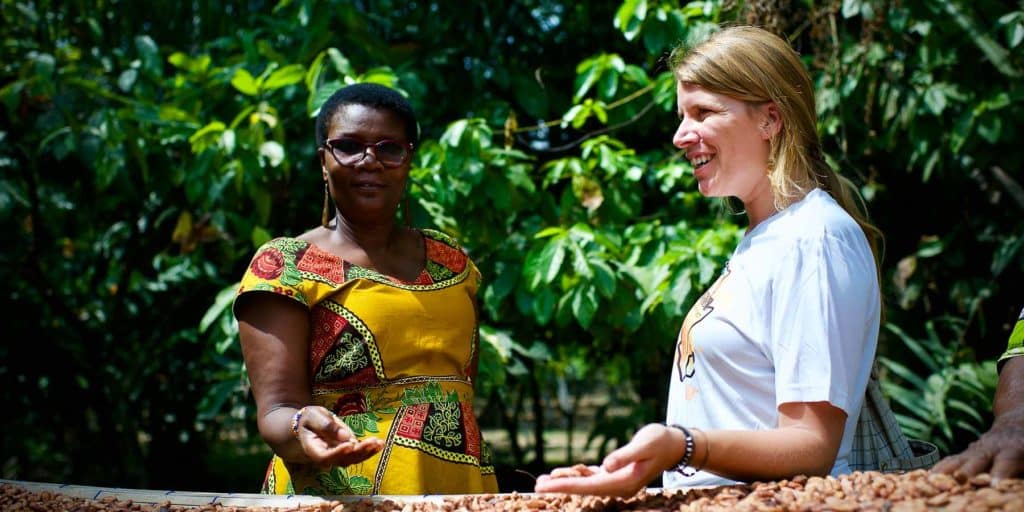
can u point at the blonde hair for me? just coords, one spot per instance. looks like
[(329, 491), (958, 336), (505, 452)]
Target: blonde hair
[(755, 66)]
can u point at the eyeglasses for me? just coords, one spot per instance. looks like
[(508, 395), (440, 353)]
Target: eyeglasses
[(349, 151)]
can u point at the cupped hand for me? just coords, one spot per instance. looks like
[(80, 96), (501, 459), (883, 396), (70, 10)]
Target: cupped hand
[(623, 473), (328, 441), (1000, 452)]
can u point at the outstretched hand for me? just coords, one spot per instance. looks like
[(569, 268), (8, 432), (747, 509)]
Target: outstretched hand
[(328, 441), (624, 472), (1000, 452)]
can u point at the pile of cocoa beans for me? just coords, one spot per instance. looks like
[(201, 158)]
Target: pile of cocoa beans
[(867, 491)]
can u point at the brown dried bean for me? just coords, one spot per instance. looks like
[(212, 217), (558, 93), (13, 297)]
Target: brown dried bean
[(924, 489), (982, 480), (942, 481), (838, 504), (938, 500)]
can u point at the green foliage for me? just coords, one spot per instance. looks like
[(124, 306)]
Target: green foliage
[(950, 402), (146, 154), (902, 104)]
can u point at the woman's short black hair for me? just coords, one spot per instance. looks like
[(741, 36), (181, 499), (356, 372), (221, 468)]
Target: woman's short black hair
[(368, 95)]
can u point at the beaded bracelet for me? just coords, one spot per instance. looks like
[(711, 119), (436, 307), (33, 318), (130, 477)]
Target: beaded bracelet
[(684, 468), (295, 422)]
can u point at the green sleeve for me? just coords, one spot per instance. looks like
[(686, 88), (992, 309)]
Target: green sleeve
[(1015, 347)]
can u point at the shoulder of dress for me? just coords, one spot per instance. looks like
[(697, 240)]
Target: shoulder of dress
[(288, 248), (443, 238), (286, 242), (445, 251)]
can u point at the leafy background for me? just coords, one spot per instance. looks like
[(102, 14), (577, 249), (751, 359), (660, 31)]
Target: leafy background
[(146, 152)]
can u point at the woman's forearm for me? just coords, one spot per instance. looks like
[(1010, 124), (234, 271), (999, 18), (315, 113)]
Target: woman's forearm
[(764, 454), (1008, 404), (275, 429), (805, 442)]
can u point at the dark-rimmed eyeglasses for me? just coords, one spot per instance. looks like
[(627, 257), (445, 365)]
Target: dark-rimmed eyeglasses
[(350, 151)]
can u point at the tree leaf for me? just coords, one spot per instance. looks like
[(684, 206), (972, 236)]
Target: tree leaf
[(630, 18), (678, 293), (580, 264), (574, 113), (215, 398), (903, 372), (259, 236), (582, 114), (851, 8), (930, 246), (341, 64), (221, 303), (453, 135), (245, 83), (283, 77), (604, 278), (600, 112), (550, 231), (206, 136), (551, 259), (707, 267), (315, 71), (380, 75), (969, 410), (325, 91), (587, 73), (126, 80), (935, 99), (543, 305), (584, 305), (149, 54)]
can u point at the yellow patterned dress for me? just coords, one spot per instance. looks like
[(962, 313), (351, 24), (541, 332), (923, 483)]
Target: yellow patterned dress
[(394, 359)]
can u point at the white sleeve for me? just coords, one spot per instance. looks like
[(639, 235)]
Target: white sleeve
[(824, 304)]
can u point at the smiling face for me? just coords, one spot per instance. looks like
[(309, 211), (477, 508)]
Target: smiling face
[(365, 191), (727, 142)]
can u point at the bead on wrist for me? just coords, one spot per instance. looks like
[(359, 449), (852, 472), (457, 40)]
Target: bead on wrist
[(295, 422), (683, 467)]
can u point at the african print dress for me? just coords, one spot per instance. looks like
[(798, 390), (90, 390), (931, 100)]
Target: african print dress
[(394, 360)]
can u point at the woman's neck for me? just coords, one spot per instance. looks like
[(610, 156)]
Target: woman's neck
[(760, 205), (758, 213), (371, 237)]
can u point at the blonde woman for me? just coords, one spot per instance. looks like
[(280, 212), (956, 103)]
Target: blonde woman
[(772, 362)]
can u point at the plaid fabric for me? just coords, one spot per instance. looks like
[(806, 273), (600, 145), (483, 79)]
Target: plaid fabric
[(879, 444)]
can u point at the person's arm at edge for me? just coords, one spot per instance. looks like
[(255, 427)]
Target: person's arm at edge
[(1000, 450)]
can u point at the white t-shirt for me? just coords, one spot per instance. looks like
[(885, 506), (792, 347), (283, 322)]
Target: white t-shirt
[(793, 317)]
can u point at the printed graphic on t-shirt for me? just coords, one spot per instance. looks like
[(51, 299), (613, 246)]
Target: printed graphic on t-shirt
[(686, 356)]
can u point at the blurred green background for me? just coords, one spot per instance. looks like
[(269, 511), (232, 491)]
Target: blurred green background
[(147, 149)]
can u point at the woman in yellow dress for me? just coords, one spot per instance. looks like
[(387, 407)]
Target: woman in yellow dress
[(360, 336)]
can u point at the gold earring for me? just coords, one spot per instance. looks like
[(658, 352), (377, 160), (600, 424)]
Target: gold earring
[(324, 218)]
